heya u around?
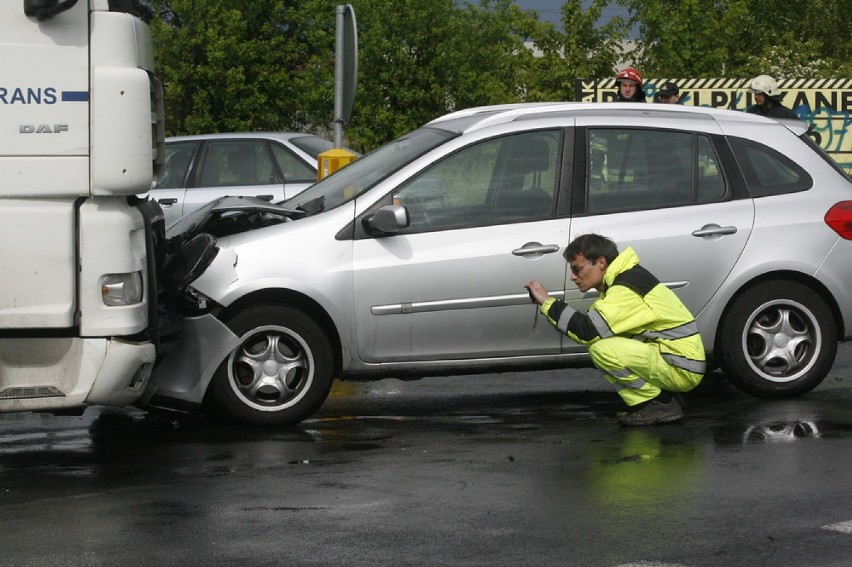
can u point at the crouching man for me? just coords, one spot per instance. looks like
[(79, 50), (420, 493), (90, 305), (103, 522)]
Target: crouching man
[(639, 333)]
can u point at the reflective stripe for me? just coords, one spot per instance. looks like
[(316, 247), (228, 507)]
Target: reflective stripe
[(697, 366), (600, 324), (680, 332), (623, 373), (637, 384), (564, 317)]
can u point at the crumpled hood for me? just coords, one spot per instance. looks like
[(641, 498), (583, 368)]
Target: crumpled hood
[(205, 218)]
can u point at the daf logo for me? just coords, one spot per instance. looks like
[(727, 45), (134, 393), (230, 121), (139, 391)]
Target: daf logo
[(42, 128)]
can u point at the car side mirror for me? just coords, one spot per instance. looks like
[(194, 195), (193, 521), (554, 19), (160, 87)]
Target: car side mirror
[(387, 220)]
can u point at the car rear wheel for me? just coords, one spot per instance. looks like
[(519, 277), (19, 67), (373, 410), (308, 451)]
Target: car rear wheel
[(777, 339), (282, 371)]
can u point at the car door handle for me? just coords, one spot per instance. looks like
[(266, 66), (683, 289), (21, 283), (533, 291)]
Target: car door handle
[(265, 197), (714, 230), (168, 201), (535, 249)]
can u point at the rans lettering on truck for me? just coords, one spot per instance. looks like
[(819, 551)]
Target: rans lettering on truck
[(28, 95)]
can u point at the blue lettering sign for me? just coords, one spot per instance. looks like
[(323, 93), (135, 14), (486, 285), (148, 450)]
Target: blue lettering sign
[(31, 95)]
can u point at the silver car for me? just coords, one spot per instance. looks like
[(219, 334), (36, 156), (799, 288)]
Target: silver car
[(269, 165), (411, 261)]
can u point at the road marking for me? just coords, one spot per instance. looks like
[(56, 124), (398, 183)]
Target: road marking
[(842, 527)]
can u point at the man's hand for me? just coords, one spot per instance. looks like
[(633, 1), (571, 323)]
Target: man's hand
[(537, 291)]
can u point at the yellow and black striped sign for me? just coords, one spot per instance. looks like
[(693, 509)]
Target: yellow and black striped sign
[(824, 104)]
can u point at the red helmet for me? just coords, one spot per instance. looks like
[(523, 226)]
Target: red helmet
[(629, 74)]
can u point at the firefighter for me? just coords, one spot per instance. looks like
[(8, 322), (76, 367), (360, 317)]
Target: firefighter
[(629, 85), (669, 93), (639, 333), (767, 99)]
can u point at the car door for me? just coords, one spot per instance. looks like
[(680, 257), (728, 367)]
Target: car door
[(235, 167), (171, 188), (482, 224), (666, 193)]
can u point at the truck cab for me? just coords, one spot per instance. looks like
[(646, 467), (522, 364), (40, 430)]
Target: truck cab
[(81, 112)]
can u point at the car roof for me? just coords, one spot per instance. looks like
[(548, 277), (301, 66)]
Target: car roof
[(231, 135), (471, 119)]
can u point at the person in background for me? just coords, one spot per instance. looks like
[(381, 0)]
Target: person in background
[(638, 331), (669, 93), (767, 99), (629, 85)]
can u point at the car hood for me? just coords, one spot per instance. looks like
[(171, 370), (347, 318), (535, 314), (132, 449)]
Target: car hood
[(228, 215)]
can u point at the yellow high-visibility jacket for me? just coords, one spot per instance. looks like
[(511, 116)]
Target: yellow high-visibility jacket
[(634, 304)]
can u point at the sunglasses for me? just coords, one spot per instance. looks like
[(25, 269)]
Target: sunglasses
[(577, 269)]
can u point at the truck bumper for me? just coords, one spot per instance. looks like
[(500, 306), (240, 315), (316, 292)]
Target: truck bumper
[(45, 374)]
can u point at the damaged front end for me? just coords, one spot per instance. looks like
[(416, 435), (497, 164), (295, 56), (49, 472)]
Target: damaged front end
[(192, 340)]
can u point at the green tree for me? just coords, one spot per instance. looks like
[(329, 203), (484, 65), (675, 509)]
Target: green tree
[(718, 38), (230, 65), (234, 66), (420, 60), (583, 50), (402, 71), (269, 64), (801, 38), (491, 61)]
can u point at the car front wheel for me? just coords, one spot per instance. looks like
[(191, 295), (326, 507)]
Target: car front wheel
[(778, 339), (280, 373)]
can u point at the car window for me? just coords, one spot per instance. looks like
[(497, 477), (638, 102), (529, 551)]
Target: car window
[(293, 168), (510, 178), (636, 169), (767, 171), (236, 162), (311, 145), (178, 158)]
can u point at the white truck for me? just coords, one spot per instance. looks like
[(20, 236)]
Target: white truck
[(81, 133)]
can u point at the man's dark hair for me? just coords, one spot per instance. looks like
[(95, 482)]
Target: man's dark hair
[(592, 246)]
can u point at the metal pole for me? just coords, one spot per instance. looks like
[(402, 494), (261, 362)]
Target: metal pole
[(338, 77)]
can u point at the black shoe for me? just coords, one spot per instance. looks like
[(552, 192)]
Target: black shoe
[(654, 412)]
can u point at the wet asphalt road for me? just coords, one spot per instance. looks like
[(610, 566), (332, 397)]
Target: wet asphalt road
[(514, 469)]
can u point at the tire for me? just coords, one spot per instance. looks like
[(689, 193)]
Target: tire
[(778, 339), (282, 371)]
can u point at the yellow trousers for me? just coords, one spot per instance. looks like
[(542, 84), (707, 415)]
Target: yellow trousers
[(638, 370)]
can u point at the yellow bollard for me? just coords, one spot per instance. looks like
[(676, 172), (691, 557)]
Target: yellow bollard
[(331, 160)]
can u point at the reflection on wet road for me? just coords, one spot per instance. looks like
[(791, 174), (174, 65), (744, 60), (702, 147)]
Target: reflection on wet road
[(527, 469)]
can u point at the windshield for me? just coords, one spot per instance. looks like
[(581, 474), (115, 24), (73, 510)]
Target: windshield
[(363, 173)]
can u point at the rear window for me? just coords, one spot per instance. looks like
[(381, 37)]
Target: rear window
[(768, 172), (312, 145)]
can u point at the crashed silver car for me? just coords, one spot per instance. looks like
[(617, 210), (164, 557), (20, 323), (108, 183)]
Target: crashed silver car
[(410, 261)]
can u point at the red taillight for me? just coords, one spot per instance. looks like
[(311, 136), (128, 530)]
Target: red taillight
[(839, 218)]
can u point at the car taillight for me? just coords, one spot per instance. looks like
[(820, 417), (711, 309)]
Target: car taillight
[(839, 218)]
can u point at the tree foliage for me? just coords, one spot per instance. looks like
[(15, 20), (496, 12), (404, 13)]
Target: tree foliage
[(230, 65), (233, 66), (743, 38)]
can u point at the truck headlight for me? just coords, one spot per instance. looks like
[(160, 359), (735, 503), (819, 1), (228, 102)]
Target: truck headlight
[(122, 289)]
